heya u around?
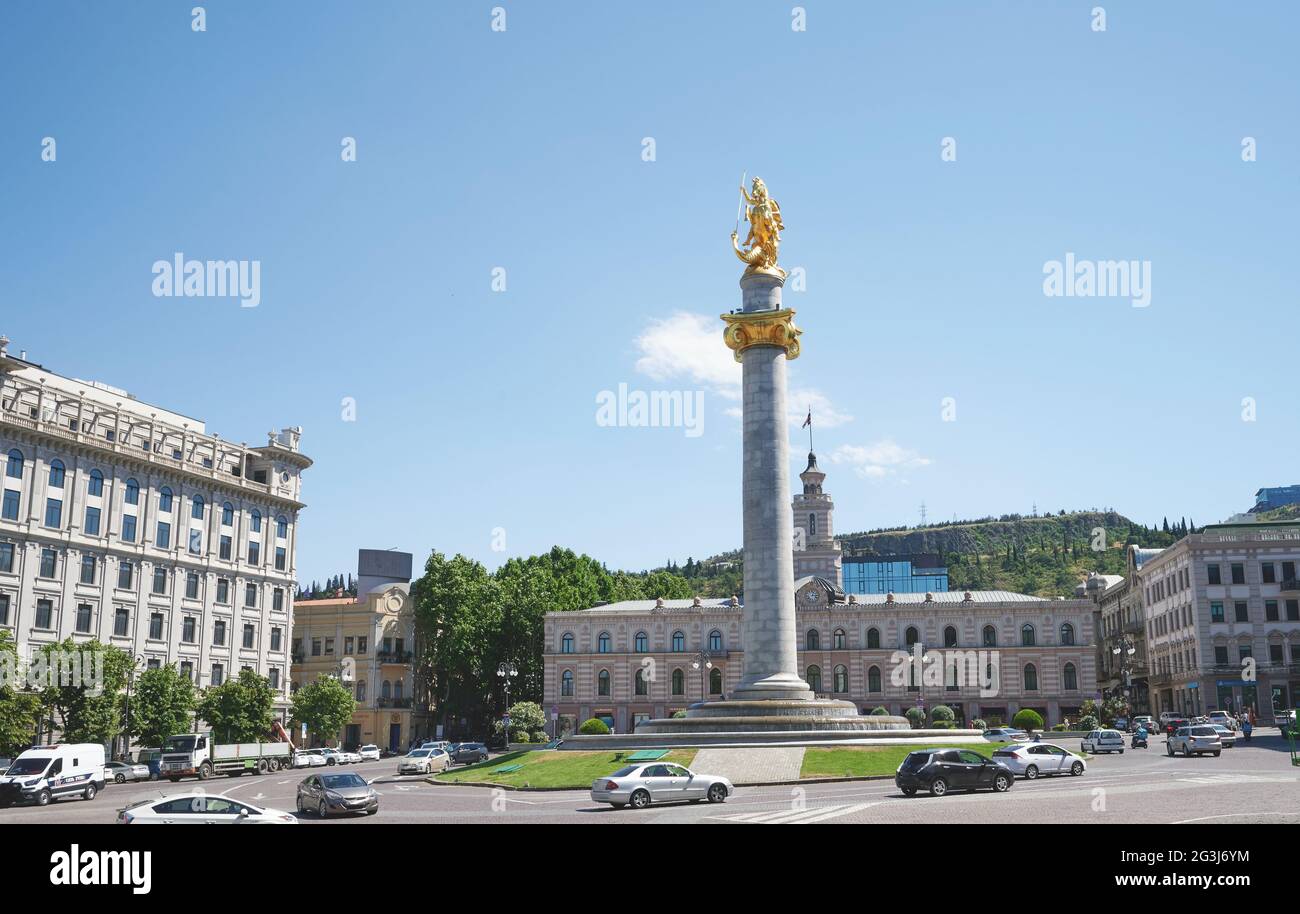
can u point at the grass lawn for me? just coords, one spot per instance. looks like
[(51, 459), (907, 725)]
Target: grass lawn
[(866, 761), (552, 768)]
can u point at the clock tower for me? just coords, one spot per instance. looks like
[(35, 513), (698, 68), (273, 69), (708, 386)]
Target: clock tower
[(815, 550)]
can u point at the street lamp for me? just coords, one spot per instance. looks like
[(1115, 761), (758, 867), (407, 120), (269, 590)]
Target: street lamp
[(1125, 649), (136, 661), (507, 671), (703, 661)]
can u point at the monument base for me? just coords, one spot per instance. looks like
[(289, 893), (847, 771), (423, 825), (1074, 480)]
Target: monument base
[(792, 716)]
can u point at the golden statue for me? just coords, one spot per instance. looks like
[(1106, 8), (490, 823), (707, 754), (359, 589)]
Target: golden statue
[(764, 240)]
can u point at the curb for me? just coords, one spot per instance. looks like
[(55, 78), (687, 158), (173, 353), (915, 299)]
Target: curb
[(839, 780)]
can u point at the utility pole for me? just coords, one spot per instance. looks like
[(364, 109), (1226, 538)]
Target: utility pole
[(922, 514)]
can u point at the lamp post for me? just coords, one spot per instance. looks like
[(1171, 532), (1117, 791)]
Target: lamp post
[(703, 661), (136, 662), (1125, 650), (507, 671)]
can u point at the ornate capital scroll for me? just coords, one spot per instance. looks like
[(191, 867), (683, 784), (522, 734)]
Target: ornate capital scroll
[(762, 328)]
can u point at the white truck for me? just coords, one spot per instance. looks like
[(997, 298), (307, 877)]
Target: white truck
[(45, 773), (197, 755)]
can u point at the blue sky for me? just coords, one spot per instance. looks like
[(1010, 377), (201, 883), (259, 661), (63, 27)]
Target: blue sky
[(522, 149)]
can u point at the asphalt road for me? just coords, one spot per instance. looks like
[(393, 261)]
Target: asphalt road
[(1253, 782)]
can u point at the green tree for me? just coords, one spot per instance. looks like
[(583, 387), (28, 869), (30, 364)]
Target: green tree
[(19, 710), (1027, 719), (325, 706), (162, 704), (239, 710), (90, 711)]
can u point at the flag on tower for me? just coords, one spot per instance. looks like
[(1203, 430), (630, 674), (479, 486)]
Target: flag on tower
[(807, 423)]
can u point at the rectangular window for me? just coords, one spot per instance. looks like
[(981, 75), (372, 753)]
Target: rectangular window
[(227, 515), (125, 575), (196, 542), (1293, 610), (156, 626), (1268, 572), (279, 558), (348, 644), (1288, 571), (254, 553), (6, 557), (277, 635), (92, 522), (192, 585), (160, 580), (281, 528), (54, 512), (4, 609), (188, 628), (1215, 577), (44, 614), (88, 569), (1216, 612), (1238, 573), (277, 600), (218, 672), (84, 613), (1270, 610), (1243, 652), (187, 670), (1275, 654), (11, 505), (164, 539), (275, 678), (224, 547), (49, 563), (1240, 609), (250, 595), (249, 635), (122, 622), (329, 646), (361, 644), (128, 528), (223, 591), (315, 647), (219, 633)]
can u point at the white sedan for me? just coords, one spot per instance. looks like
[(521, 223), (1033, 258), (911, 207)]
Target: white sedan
[(1005, 735), (423, 761), (308, 758), (369, 753), (660, 782), (1033, 760), (201, 809)]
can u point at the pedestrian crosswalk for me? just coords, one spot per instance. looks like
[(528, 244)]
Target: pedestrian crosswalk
[(804, 816), (1238, 779)]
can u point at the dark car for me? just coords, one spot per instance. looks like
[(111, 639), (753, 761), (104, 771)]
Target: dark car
[(336, 794), (468, 753), (1175, 725), (942, 770)]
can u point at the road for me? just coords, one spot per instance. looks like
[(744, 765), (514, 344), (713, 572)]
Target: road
[(1254, 782)]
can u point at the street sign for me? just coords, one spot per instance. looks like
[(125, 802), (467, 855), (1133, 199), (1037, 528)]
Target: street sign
[(555, 715)]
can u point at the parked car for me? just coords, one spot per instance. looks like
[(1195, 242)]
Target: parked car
[(941, 770), (347, 756), (308, 758), (336, 794), (423, 761), (1098, 741), (369, 753), (46, 773), (1031, 761), (1226, 737), (201, 809), (1196, 740), (4, 765), (658, 782), (1142, 721), (468, 753), (121, 772), (1006, 735), (331, 756), (435, 744), (1121, 724)]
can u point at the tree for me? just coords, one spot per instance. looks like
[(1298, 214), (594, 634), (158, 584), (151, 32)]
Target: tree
[(162, 705), (325, 706), (239, 710), (1027, 719), (90, 711), (19, 710), (525, 717)]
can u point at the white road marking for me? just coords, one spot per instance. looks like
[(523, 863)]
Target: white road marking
[(798, 816)]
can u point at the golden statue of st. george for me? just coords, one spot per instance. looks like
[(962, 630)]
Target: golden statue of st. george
[(763, 242)]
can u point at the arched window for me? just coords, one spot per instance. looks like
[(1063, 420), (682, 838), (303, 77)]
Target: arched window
[(56, 474), (679, 642), (642, 643), (715, 681), (256, 521), (990, 636), (838, 640), (196, 507), (281, 527), (602, 643), (814, 640), (1070, 678), (95, 484), (950, 637), (679, 682), (715, 641), (642, 688), (812, 524), (132, 496), (386, 690), (1067, 633), (602, 683), (1031, 678), (566, 643), (1026, 635), (14, 468), (841, 680), (814, 678), (164, 499), (873, 638), (912, 636), (873, 679), (227, 515), (566, 683)]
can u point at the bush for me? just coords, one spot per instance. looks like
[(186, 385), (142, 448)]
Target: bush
[(943, 725), (916, 717), (539, 737), (1027, 719), (942, 712), (518, 736), (678, 715), (1059, 728), (594, 726), (880, 711), (1086, 723), (979, 724)]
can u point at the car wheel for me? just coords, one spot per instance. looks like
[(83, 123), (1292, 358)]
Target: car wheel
[(371, 812), (717, 794), (119, 779), (938, 787), (909, 791), (1031, 772), (1170, 748), (1216, 754), (1076, 769), (321, 810), (43, 798), (205, 771), (90, 792), (1001, 783), (1121, 752), (640, 800)]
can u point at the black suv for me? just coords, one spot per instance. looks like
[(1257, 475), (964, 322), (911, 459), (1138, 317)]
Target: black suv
[(941, 770)]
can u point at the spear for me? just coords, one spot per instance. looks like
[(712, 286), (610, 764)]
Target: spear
[(740, 207)]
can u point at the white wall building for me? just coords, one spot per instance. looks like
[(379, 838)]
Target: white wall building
[(132, 524)]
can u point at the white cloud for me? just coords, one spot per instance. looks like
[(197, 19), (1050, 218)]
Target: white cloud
[(824, 414), (881, 460)]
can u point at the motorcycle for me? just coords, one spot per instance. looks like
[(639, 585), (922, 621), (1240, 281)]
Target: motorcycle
[(1139, 740)]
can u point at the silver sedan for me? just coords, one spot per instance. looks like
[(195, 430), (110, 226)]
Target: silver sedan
[(1033, 760), (658, 782)]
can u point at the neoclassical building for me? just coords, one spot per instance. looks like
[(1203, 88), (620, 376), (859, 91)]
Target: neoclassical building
[(130, 523), (984, 654)]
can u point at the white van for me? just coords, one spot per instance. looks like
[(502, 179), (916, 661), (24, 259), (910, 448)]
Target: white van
[(47, 773)]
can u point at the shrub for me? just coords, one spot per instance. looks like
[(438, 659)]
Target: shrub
[(916, 717), (1086, 723), (594, 726), (880, 711), (941, 712), (979, 724), (519, 736), (538, 737), (1059, 728), (943, 725), (1027, 719), (678, 715)]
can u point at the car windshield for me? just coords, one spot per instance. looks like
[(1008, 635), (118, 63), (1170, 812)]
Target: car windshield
[(419, 753), (369, 748), (179, 744), (28, 766), (342, 781)]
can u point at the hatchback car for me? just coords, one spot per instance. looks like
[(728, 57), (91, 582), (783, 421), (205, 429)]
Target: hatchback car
[(659, 782), (1226, 737), (201, 809), (1197, 740), (1040, 759), (468, 753), (121, 772), (423, 761), (942, 770), (1098, 741), (337, 794)]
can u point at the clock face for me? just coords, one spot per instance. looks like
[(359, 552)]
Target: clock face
[(813, 596)]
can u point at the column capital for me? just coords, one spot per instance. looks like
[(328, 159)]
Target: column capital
[(762, 328)]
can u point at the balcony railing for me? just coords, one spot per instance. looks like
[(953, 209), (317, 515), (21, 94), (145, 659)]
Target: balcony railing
[(393, 656), (394, 702)]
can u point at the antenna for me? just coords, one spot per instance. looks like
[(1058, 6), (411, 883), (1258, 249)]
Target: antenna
[(922, 514)]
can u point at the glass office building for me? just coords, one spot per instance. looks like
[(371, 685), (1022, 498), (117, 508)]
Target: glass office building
[(894, 574)]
